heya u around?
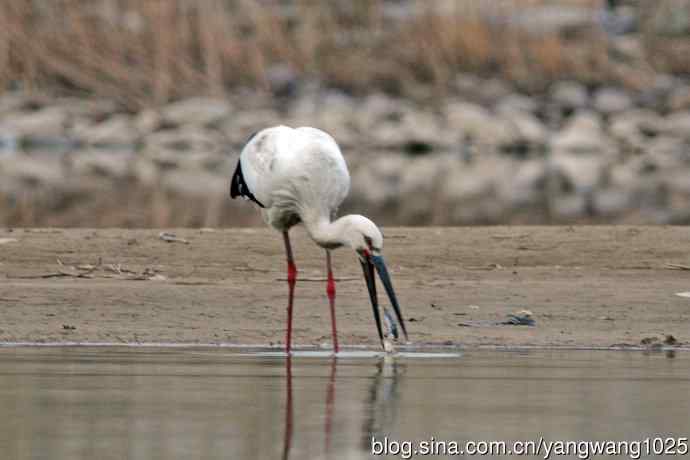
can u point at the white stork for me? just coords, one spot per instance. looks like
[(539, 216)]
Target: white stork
[(300, 176)]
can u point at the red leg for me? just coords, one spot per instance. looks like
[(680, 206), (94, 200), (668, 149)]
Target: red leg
[(330, 290), (292, 279)]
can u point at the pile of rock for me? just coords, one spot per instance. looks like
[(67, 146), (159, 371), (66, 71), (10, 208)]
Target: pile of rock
[(486, 155)]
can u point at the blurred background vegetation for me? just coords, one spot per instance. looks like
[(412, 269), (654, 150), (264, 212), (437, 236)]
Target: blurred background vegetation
[(132, 112)]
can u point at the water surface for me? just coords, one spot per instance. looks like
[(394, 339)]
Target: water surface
[(148, 403)]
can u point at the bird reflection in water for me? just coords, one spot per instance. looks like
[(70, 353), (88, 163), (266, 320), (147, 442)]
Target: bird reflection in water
[(381, 404), (287, 440), (383, 401), (289, 408)]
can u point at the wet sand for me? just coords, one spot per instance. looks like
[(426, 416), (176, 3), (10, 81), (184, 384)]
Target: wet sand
[(585, 286)]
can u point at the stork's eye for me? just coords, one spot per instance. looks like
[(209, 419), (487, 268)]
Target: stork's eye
[(370, 243)]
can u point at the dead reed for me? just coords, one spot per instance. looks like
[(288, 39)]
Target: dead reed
[(146, 52)]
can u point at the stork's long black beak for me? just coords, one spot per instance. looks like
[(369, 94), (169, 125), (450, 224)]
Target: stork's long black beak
[(368, 269), (368, 265), (388, 285)]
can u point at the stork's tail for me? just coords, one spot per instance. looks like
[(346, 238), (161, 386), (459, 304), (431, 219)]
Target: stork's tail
[(238, 187)]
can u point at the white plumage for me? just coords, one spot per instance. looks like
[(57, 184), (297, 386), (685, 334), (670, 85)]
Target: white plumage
[(300, 176), (295, 173)]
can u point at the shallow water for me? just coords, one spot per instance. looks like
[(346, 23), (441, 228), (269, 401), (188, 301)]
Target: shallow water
[(148, 403)]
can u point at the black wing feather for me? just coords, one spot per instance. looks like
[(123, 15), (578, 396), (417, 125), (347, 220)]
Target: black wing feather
[(238, 187)]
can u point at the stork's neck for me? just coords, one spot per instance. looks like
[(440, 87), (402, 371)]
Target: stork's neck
[(327, 234)]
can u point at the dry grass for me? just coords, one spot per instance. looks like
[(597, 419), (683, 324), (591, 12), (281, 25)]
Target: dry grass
[(143, 52)]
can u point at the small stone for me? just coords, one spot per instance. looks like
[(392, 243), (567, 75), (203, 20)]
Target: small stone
[(480, 125), (198, 111), (570, 94), (116, 130), (584, 134), (679, 99), (46, 123), (583, 172), (612, 100), (677, 124)]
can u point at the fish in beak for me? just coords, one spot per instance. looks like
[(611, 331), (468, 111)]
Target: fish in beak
[(370, 263)]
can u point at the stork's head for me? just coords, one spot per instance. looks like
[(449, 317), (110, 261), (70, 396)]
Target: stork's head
[(362, 235)]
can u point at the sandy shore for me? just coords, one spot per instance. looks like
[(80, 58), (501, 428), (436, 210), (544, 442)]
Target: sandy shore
[(586, 286)]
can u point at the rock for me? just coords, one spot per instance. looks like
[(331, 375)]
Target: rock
[(618, 20), (47, 123), (165, 159), (416, 132), (145, 171), (623, 175), (243, 124), (679, 99), (195, 184), (583, 134), (32, 170), (669, 18), (148, 121), (469, 193), (332, 112), (658, 95), (678, 181), (418, 186), (665, 27), (611, 201), (376, 109), (547, 19), (628, 48), (116, 130), (478, 123), (212, 162), (466, 84), (95, 110), (13, 102), (492, 90), (515, 102), (611, 100), (187, 139), (635, 128), (107, 164), (526, 185), (669, 147), (581, 172), (198, 111), (570, 95), (568, 207), (677, 124), (283, 80), (528, 127), (378, 182)]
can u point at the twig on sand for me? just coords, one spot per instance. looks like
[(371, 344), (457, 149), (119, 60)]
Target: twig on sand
[(171, 238), (43, 275), (485, 267), (677, 267), (321, 278), (251, 269), (510, 237), (89, 271), (59, 274)]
